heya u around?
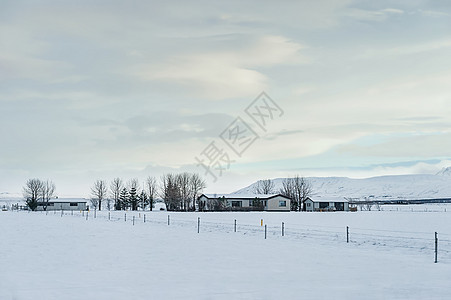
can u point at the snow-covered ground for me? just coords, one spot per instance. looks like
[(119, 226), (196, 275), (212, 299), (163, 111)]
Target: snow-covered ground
[(390, 255)]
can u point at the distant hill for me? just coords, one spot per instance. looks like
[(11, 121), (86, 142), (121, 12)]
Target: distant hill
[(420, 186)]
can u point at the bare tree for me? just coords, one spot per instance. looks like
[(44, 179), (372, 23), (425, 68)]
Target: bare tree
[(183, 185), (265, 187), (197, 185), (143, 199), (116, 187), (180, 191), (377, 205), (99, 192), (170, 192), (48, 190), (306, 190), (288, 190), (32, 191), (298, 189), (108, 201), (151, 190)]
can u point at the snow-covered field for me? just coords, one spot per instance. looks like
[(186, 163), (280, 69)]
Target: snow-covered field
[(390, 255)]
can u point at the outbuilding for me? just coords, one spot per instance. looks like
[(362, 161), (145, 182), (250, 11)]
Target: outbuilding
[(239, 202), (63, 204), (326, 204)]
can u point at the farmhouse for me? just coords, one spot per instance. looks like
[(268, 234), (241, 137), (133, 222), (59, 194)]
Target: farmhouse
[(63, 204), (270, 202), (326, 204)]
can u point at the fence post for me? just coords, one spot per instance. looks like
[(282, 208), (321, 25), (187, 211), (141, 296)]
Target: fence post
[(168, 220), (436, 247), (133, 220), (198, 224), (261, 222), (95, 213), (265, 231), (347, 234), (109, 216), (62, 212), (235, 226), (125, 217), (283, 229), (72, 212), (87, 213), (144, 218)]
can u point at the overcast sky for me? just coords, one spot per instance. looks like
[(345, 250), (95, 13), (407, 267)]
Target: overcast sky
[(98, 89)]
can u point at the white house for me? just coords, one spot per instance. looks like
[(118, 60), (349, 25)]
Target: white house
[(270, 202), (63, 204), (326, 204)]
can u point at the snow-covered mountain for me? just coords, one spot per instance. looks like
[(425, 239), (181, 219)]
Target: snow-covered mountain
[(10, 196), (420, 186)]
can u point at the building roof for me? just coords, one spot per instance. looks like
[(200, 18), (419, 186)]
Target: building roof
[(328, 199), (67, 200), (242, 196)]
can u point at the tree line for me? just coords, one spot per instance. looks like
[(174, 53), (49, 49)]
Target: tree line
[(178, 191)]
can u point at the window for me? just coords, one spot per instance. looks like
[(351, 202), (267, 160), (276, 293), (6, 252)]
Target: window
[(323, 204), (236, 203), (308, 204), (73, 204), (282, 203)]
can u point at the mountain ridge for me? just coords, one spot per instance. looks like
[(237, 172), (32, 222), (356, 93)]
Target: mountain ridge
[(412, 186)]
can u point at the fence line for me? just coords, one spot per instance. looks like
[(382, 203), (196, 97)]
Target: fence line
[(356, 236)]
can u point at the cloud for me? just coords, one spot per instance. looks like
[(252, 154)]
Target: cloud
[(372, 15), (415, 145), (225, 74)]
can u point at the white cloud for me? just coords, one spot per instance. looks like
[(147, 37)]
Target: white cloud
[(225, 74)]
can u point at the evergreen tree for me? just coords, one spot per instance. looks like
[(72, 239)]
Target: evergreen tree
[(123, 199), (133, 198)]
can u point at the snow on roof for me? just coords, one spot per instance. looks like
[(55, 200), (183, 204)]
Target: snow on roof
[(329, 199), (67, 200), (242, 196)]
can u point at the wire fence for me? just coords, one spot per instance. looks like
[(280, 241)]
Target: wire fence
[(422, 242)]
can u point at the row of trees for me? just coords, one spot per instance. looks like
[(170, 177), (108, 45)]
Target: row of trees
[(297, 188), (120, 195), (37, 190), (179, 192)]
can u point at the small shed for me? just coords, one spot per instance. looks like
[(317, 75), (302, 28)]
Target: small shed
[(63, 204), (326, 204)]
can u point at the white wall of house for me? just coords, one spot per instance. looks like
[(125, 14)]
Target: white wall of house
[(63, 206), (277, 203), (312, 205)]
